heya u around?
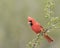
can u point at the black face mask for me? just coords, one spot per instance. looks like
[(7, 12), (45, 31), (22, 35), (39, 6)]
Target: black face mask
[(30, 23)]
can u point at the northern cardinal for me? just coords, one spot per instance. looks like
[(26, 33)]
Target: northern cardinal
[(37, 28)]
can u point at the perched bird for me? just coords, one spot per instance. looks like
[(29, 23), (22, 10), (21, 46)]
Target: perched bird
[(37, 28)]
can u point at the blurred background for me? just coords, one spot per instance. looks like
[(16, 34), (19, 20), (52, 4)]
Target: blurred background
[(14, 29)]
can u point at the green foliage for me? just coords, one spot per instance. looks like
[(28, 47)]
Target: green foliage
[(49, 14), (35, 42), (49, 7)]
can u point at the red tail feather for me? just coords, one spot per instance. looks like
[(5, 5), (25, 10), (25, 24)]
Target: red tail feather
[(49, 39)]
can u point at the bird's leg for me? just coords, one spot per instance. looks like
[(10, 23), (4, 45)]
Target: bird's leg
[(45, 30)]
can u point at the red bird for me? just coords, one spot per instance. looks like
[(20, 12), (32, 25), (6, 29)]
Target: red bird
[(37, 28)]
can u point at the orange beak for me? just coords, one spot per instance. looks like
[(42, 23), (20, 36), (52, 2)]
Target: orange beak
[(29, 18)]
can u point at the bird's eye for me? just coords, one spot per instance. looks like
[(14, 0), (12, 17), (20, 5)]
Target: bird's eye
[(30, 21)]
